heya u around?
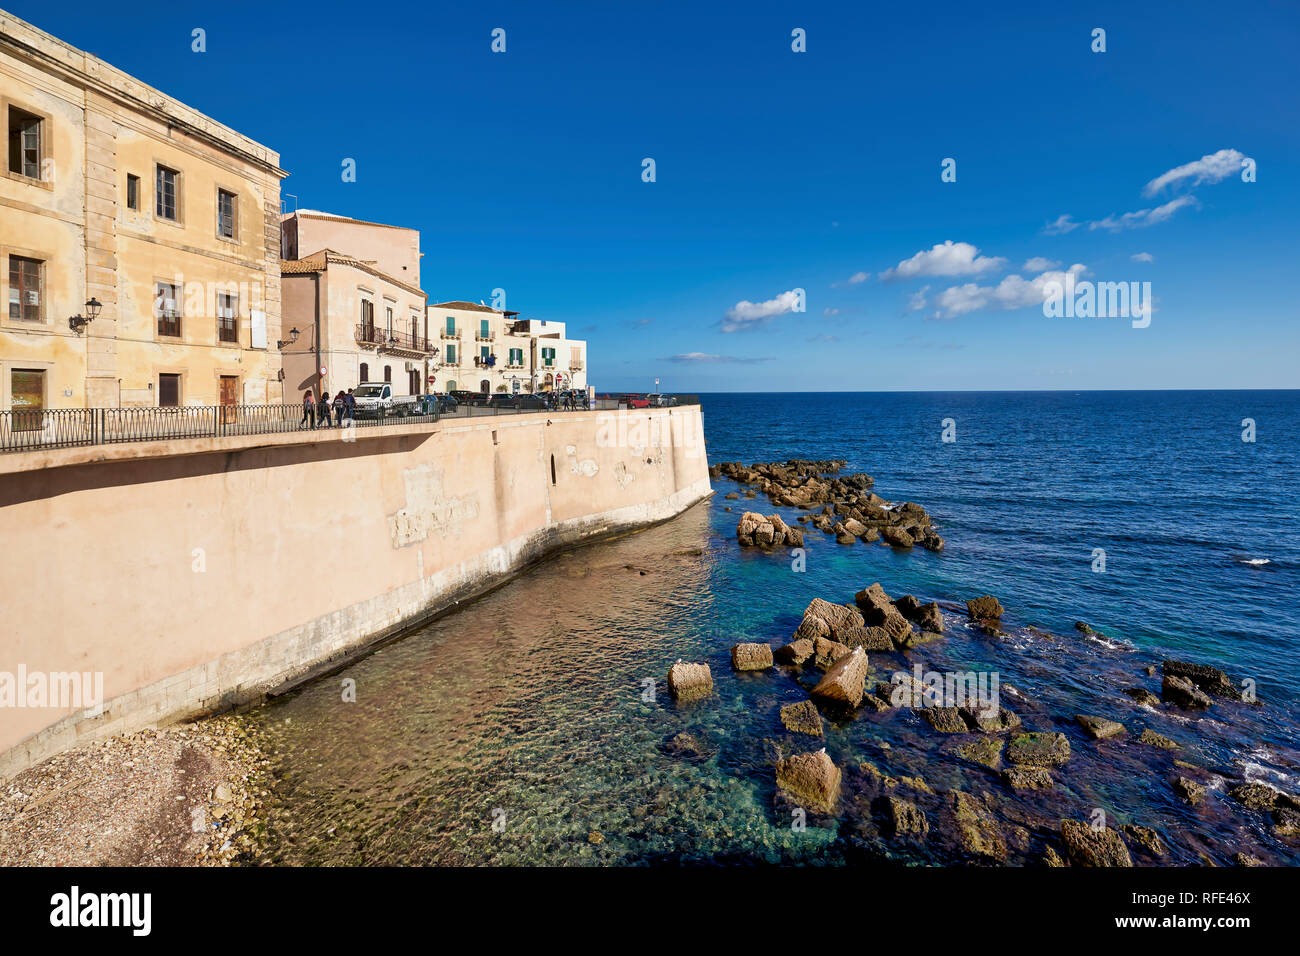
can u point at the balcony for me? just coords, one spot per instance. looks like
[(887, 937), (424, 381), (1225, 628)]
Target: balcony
[(386, 340), (514, 365), (480, 337), (576, 365), (450, 334)]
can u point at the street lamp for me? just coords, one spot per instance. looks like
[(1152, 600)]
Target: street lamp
[(293, 337), (79, 322)]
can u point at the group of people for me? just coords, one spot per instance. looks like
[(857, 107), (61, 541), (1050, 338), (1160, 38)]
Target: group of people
[(316, 414)]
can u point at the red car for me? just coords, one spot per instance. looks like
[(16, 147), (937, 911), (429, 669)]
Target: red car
[(637, 401)]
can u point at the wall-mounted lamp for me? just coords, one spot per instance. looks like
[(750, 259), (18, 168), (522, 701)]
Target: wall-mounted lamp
[(79, 322), (293, 337)]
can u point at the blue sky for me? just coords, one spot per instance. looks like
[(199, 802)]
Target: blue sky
[(778, 171)]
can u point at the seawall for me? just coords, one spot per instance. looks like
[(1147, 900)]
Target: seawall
[(196, 575)]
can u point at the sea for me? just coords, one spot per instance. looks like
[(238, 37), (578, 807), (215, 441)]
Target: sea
[(534, 726)]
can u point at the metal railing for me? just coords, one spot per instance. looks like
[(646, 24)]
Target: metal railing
[(384, 338), (40, 429)]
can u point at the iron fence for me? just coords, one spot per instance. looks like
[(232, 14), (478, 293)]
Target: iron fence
[(35, 429)]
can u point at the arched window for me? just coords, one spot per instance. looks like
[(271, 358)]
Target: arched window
[(388, 373), (485, 386), (365, 372)]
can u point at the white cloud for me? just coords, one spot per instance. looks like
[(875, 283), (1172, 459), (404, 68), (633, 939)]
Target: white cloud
[(947, 258), (856, 279), (917, 301), (830, 312), (1061, 225), (746, 315), (1039, 264), (703, 358), (1143, 257), (1013, 292), (1213, 168), (1144, 217)]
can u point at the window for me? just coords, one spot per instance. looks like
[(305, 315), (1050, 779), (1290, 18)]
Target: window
[(548, 357), (25, 288), (415, 331), (166, 189), (365, 372), (169, 390), (227, 321), (451, 325), (451, 355), (165, 307), (388, 373), (388, 318), (483, 328), (413, 382), (132, 191), (226, 207), (367, 320), (27, 388), (24, 143), (516, 356), (483, 352)]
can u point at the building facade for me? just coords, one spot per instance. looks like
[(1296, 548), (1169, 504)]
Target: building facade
[(125, 206), (489, 350), (355, 303)]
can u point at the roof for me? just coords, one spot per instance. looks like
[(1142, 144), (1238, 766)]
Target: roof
[(466, 306), (317, 214), (322, 260)]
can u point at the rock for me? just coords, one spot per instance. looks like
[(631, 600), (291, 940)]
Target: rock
[(903, 818), (765, 535), (1038, 749), (794, 537), (976, 830), (1255, 795), (827, 652), (751, 657), (946, 720), (989, 626), (224, 793), (1209, 679), (1028, 778), (873, 638), (984, 607), (870, 536), (796, 652), (1183, 693), (844, 682), (1286, 822), (1143, 696), (812, 779), (824, 619), (907, 606), (802, 718), (1153, 739), (897, 537), (1245, 859), (686, 746), (933, 543), (854, 527), (1189, 790), (745, 528), (690, 681), (1001, 719), (1089, 846), (1083, 627), (929, 618), (1052, 859), (1145, 836), (845, 538), (731, 496), (595, 838), (986, 751), (1099, 728)]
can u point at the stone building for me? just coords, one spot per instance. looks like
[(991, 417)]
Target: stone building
[(127, 208), (492, 350)]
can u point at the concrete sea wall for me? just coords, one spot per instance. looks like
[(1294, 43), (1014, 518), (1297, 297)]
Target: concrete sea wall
[(195, 575)]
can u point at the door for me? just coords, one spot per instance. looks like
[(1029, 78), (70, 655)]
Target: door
[(229, 392), (169, 390), (27, 390), (414, 383)]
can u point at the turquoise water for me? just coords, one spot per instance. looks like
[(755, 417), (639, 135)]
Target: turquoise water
[(529, 728)]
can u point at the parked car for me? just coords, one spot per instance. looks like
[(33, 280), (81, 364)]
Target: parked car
[(462, 395), (479, 398), (376, 398), (637, 401), (530, 403), (436, 405)]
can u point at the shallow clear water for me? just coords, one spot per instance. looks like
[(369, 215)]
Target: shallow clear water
[(543, 706)]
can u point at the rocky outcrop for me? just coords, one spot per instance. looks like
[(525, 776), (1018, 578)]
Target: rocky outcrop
[(986, 751), (1188, 789), (1086, 845), (751, 657), (826, 652), (1038, 750), (990, 720), (802, 718), (1153, 739), (756, 530), (946, 720), (872, 638), (690, 681), (1181, 692), (796, 652), (984, 608), (1099, 728), (1145, 837), (1143, 696), (903, 818), (811, 779), (1028, 778), (975, 827), (844, 683), (824, 619), (1210, 680)]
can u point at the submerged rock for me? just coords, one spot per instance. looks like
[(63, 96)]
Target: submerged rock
[(751, 657), (1145, 836), (1257, 796), (903, 818), (979, 718), (812, 779), (802, 718), (1189, 789), (1143, 696), (1086, 845), (986, 751), (946, 720), (690, 681), (844, 682), (687, 746), (976, 829), (1099, 728), (1028, 778), (1038, 749), (984, 607)]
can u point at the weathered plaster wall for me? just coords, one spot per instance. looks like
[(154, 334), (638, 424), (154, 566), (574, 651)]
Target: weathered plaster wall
[(209, 577)]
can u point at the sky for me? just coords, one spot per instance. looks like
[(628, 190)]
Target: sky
[(798, 234)]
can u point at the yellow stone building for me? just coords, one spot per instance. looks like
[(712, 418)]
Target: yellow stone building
[(116, 195)]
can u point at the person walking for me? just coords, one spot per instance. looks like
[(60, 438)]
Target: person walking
[(323, 410), (308, 411), (340, 405), (350, 402)]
